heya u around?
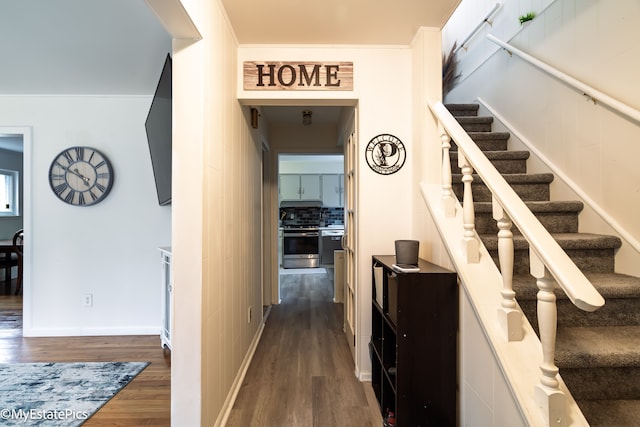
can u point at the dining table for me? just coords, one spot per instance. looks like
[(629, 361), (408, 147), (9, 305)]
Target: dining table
[(6, 249)]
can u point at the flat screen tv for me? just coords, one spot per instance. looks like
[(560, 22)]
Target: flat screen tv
[(158, 126)]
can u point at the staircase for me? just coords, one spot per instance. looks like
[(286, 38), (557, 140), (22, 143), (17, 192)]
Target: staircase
[(598, 353)]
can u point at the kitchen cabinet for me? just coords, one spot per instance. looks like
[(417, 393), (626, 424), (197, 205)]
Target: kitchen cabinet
[(166, 280), (332, 190), (413, 347), (299, 187)]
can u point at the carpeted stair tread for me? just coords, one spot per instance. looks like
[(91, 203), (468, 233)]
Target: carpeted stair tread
[(556, 217), (480, 136), (592, 347), (475, 123), (565, 240), (463, 109), (511, 178), (610, 285), (611, 413), (500, 155), (474, 119), (504, 161), (537, 206)]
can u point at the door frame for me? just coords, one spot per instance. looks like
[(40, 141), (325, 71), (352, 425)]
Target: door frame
[(26, 212)]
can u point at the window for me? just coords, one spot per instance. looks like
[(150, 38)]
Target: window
[(8, 193)]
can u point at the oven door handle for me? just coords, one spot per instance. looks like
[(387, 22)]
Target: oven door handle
[(312, 234)]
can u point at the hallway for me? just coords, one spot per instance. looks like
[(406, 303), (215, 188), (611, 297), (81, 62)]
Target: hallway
[(302, 373)]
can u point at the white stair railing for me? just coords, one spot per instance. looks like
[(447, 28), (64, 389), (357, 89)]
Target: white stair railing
[(550, 265)]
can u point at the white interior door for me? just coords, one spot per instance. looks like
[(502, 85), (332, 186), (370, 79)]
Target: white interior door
[(349, 241)]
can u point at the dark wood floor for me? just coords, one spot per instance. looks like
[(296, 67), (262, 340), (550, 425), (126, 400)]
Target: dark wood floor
[(145, 401), (302, 373)]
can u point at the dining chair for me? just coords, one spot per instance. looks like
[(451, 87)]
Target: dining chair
[(18, 246), (8, 260)]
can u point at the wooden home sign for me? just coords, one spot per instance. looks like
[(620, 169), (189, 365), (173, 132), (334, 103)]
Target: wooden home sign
[(298, 75)]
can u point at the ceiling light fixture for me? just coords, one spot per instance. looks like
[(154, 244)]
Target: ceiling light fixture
[(306, 117)]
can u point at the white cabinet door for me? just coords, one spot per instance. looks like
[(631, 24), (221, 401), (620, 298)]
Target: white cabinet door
[(310, 187), (289, 187), (331, 190), (167, 298)]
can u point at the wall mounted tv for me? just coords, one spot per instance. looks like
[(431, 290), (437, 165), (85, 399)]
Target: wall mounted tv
[(158, 126)]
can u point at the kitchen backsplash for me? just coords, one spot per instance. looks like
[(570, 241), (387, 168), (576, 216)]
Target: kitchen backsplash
[(332, 216), (311, 216)]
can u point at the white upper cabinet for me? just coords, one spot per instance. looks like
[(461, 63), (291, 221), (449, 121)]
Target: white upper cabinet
[(300, 187), (332, 190), (310, 187)]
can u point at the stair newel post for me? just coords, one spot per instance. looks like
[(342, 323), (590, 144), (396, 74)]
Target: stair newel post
[(509, 316), (471, 247), (448, 201), (549, 397)]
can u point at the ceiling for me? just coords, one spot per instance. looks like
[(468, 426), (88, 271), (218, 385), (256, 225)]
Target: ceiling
[(118, 47), (335, 21)]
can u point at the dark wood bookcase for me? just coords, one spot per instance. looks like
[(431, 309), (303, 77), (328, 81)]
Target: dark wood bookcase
[(414, 326)]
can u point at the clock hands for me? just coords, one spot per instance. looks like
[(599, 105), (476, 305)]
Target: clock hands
[(77, 173), (82, 177)]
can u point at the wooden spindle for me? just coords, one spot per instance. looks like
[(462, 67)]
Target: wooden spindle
[(548, 394), (470, 243), (448, 201), (509, 316)]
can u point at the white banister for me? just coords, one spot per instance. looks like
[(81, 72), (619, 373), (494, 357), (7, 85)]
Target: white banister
[(577, 287), (549, 264), (472, 34), (586, 90)]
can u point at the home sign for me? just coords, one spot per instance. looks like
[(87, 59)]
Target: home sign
[(298, 75)]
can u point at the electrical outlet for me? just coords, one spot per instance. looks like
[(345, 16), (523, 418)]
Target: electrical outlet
[(249, 315), (87, 301)]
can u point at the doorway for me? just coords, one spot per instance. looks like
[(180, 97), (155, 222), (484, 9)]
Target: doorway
[(15, 146), (329, 131)]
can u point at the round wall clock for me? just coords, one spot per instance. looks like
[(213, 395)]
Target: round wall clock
[(81, 176), (385, 154)]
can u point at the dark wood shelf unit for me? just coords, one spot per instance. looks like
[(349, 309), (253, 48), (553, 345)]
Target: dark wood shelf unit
[(413, 344)]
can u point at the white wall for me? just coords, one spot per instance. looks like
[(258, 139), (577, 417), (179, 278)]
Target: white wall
[(108, 250), (593, 41), (217, 223)]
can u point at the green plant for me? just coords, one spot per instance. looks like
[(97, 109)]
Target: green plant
[(449, 68), (528, 17)]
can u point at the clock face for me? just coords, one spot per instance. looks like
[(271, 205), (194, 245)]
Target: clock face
[(385, 154), (81, 176)]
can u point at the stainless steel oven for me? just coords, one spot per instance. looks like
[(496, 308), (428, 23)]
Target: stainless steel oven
[(300, 247)]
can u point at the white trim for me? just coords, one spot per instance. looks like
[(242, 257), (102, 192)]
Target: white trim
[(87, 332), (575, 187), (25, 211)]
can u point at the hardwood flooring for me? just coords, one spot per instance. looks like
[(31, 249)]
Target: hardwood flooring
[(145, 401), (302, 373)]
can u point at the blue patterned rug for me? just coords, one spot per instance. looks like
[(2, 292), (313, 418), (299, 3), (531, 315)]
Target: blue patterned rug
[(59, 394)]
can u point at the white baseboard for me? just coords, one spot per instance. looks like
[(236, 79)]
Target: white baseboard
[(237, 383), (86, 332)]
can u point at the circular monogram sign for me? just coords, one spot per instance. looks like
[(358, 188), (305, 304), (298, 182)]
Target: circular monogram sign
[(385, 154)]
